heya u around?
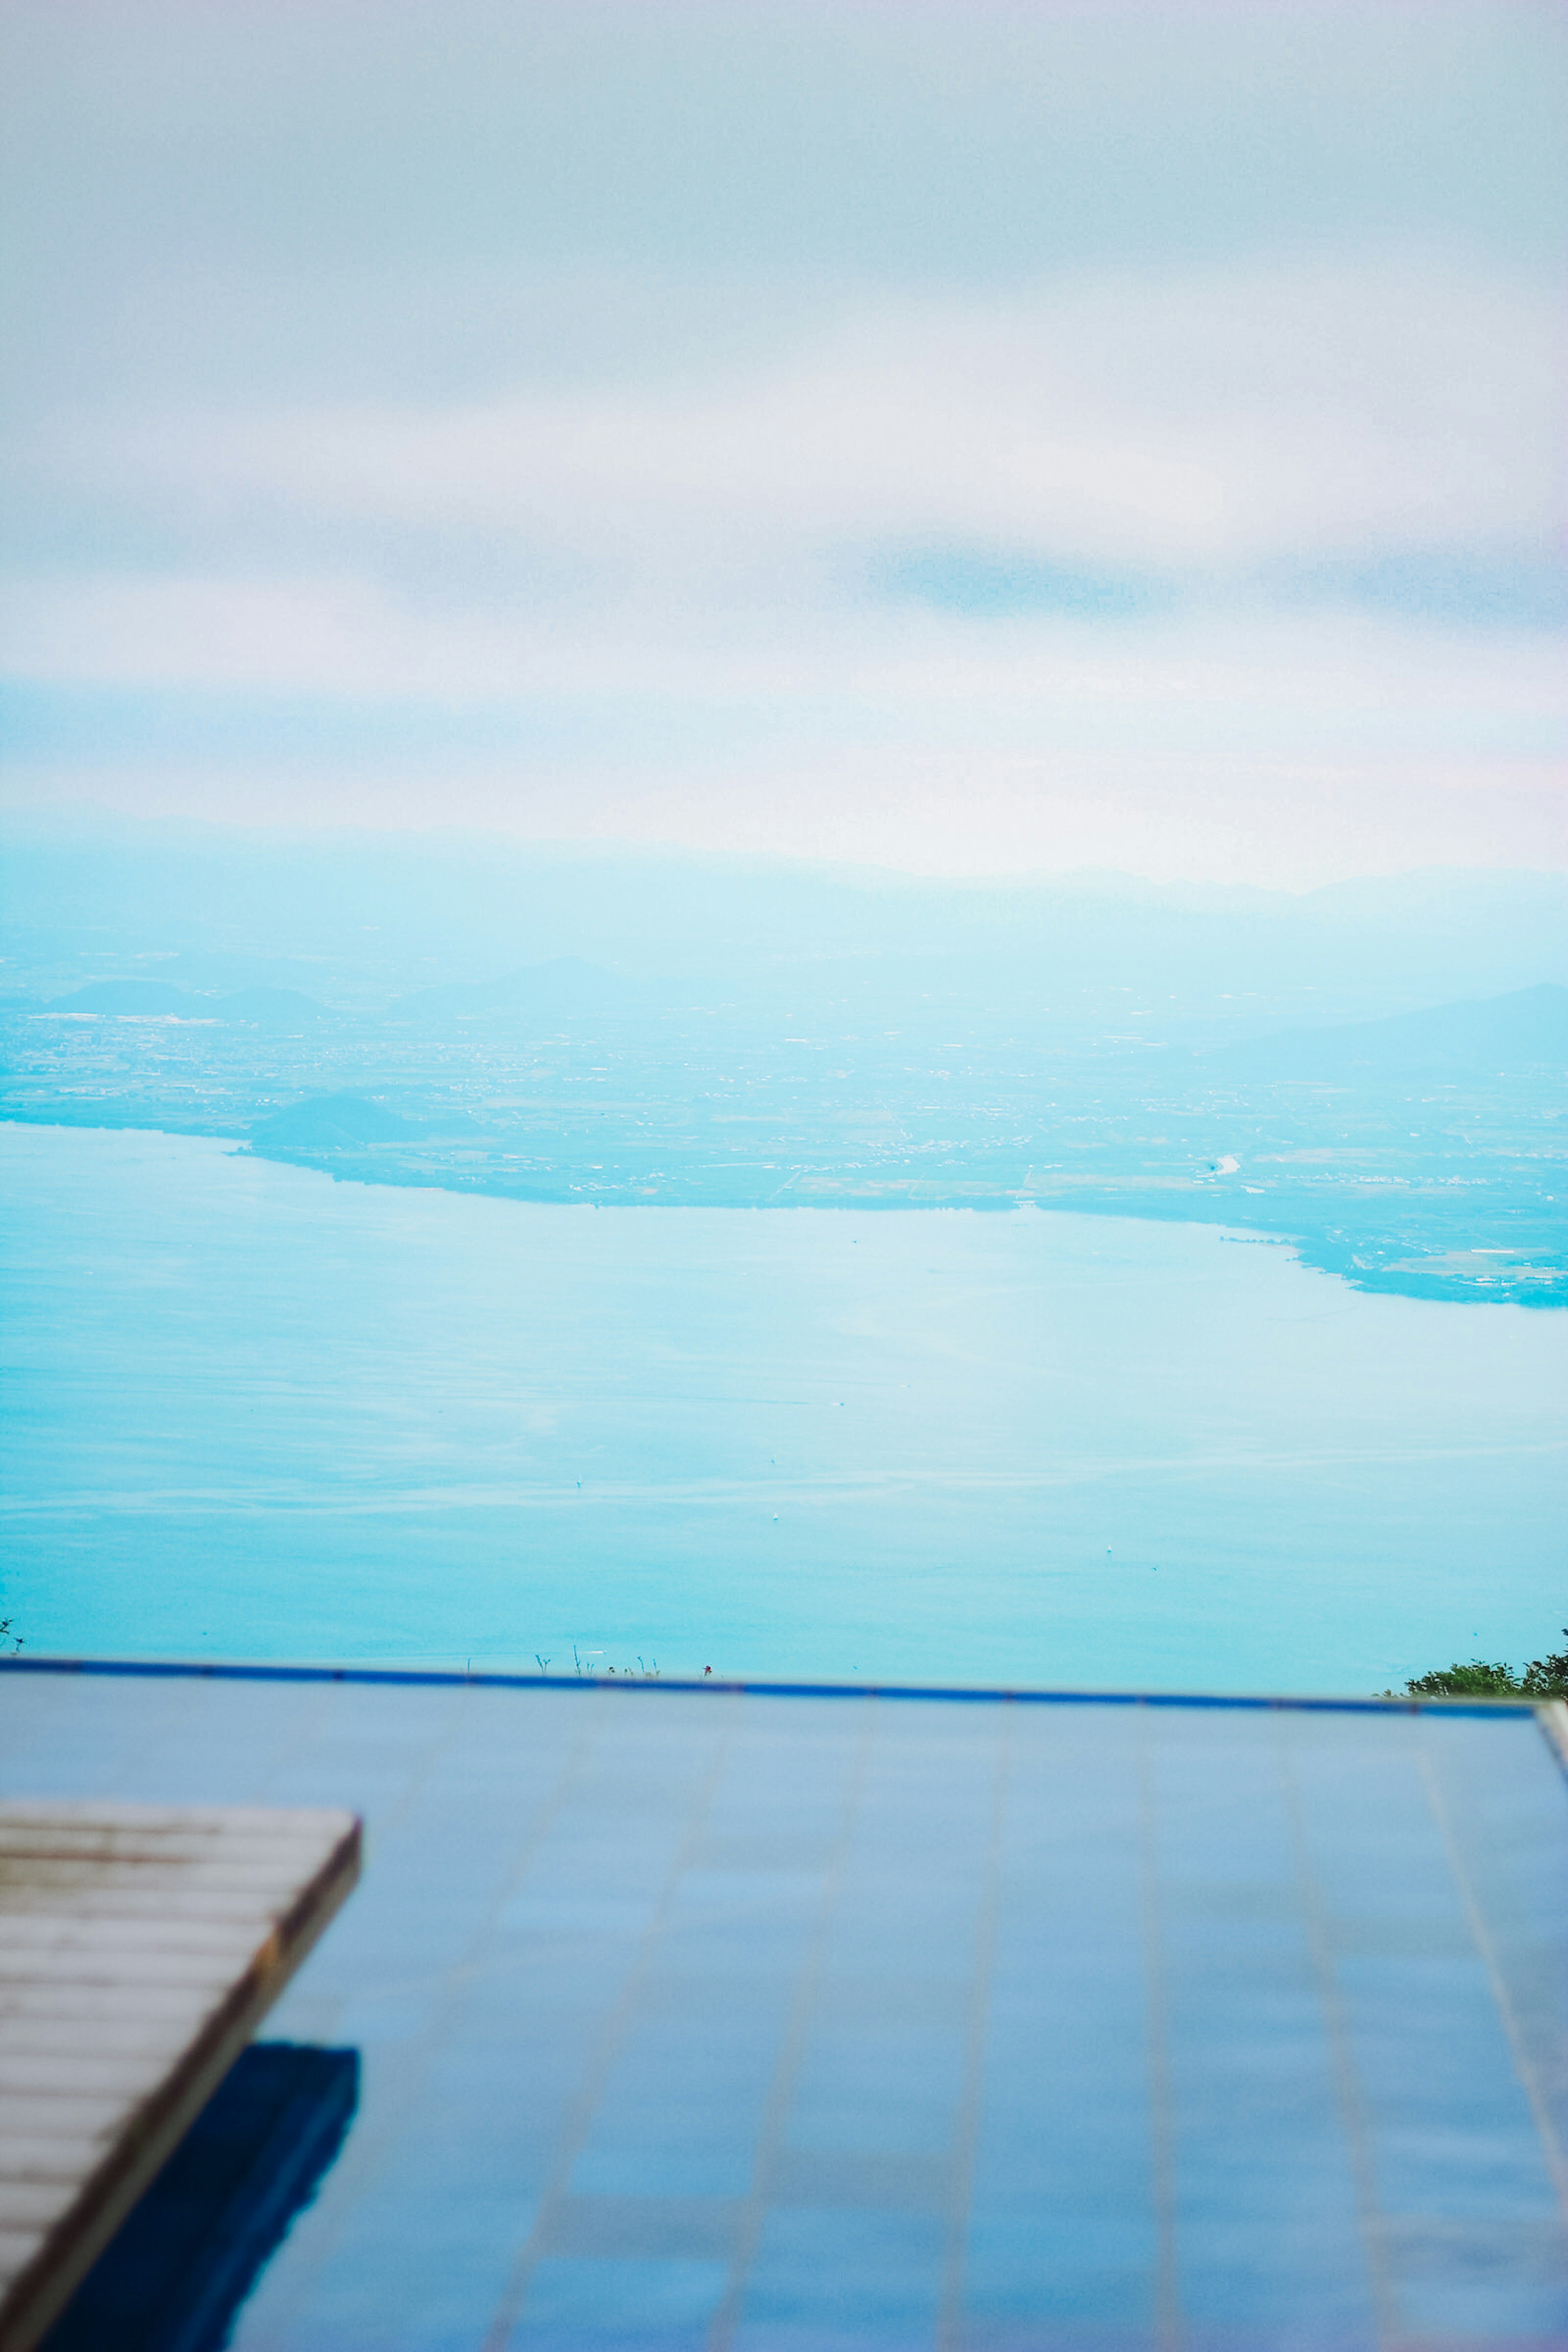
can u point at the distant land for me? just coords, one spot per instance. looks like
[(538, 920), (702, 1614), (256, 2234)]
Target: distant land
[(152, 999), (358, 919), (1374, 1074), (1527, 1029), (329, 1123)]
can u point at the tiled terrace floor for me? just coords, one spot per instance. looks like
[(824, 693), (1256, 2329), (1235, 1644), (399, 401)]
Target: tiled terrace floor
[(718, 2019)]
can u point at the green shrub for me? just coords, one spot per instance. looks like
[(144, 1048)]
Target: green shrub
[(1541, 1678), (1547, 1677), (1478, 1680)]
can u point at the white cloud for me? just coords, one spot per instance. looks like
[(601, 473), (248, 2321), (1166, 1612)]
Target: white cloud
[(1213, 424), (902, 677), (659, 596)]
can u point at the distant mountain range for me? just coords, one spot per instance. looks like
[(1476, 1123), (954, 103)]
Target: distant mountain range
[(374, 918), (1526, 1029)]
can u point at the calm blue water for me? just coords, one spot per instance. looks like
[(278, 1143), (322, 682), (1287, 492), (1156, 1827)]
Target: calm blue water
[(250, 1412)]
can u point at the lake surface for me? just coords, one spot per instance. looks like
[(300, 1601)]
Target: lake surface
[(249, 1413)]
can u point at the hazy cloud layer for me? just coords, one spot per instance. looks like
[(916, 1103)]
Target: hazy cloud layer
[(799, 429)]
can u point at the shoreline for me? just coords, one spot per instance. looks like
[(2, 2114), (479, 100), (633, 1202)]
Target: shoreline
[(1347, 1258)]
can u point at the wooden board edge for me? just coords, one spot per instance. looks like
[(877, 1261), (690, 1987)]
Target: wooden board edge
[(40, 2293), (1551, 1715)]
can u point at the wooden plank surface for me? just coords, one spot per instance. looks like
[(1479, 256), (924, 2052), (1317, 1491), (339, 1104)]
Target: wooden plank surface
[(140, 1948), (1552, 1716)]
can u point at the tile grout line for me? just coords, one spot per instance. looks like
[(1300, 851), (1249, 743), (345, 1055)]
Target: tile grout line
[(725, 2320), (1540, 2108), (575, 2133), (373, 2156), (967, 2135), (1348, 2096), (1162, 2126)]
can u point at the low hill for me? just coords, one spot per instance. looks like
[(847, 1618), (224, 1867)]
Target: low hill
[(1527, 1029), (268, 1008), (324, 1122), (145, 996)]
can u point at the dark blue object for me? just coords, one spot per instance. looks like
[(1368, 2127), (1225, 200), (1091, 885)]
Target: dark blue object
[(176, 2274)]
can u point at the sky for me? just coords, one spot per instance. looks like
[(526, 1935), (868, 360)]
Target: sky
[(982, 438)]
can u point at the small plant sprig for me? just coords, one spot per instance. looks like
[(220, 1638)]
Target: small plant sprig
[(9, 1638), (649, 1670)]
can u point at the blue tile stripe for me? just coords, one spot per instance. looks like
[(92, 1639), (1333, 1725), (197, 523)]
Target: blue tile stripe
[(178, 1669)]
